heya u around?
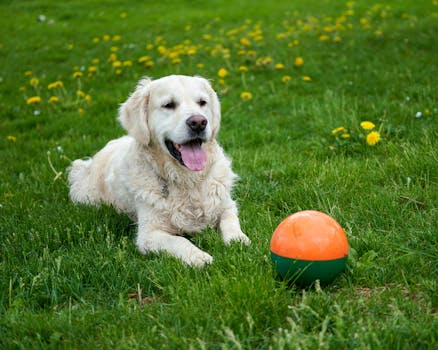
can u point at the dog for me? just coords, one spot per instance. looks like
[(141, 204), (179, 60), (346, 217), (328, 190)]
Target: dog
[(169, 173)]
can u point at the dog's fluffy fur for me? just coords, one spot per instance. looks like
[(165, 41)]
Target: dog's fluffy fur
[(169, 174)]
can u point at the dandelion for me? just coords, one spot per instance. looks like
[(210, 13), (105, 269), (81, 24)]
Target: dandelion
[(367, 125), (324, 37), (222, 73), (34, 81), (117, 64), (28, 73), (117, 38), (372, 138), (33, 100), (77, 75), (243, 69), (279, 66), (338, 130), (143, 59), (53, 99), (95, 61), (80, 93), (11, 138), (106, 37), (299, 61), (127, 63), (81, 111), (245, 42), (123, 15), (200, 65), (87, 98), (246, 96), (286, 78), (55, 85), (112, 57), (346, 136), (307, 78), (70, 46), (96, 40), (92, 69)]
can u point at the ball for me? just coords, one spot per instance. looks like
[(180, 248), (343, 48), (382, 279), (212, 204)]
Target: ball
[(309, 246)]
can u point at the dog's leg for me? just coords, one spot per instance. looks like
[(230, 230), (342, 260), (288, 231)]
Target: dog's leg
[(156, 240), (230, 227)]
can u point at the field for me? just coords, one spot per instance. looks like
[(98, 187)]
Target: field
[(326, 105)]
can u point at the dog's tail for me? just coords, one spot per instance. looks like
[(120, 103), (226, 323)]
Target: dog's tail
[(82, 188)]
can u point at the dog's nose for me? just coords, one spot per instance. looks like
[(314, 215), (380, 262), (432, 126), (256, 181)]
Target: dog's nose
[(197, 123)]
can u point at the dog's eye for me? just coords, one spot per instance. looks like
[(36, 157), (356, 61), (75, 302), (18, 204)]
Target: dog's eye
[(170, 105), (202, 102)]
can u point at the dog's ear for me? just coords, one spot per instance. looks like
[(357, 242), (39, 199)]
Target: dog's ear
[(215, 106), (133, 112)]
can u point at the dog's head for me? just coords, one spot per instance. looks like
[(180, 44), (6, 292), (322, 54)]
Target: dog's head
[(177, 113)]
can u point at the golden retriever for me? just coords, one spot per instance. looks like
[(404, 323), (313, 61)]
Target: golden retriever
[(169, 174)]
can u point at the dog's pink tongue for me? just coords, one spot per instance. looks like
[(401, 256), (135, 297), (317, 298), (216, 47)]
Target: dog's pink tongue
[(193, 156)]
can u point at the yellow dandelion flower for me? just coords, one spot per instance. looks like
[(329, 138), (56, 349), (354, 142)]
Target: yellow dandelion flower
[(95, 61), (127, 63), (337, 39), (53, 99), (106, 37), (33, 100), (87, 98), (22, 88), (117, 38), (114, 49), (96, 40), (222, 73), (324, 37), (117, 64), (143, 59), (279, 66), (207, 37), (200, 65), (338, 130), (123, 15), (34, 81), (11, 138), (55, 85), (149, 63), (28, 73), (70, 46), (345, 136), (112, 57), (80, 93), (307, 78), (299, 61), (367, 125), (81, 111), (92, 69), (245, 42), (77, 75), (246, 96), (118, 71), (286, 78), (243, 69), (373, 137)]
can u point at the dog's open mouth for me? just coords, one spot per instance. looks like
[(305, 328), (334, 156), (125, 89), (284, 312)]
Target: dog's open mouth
[(190, 154)]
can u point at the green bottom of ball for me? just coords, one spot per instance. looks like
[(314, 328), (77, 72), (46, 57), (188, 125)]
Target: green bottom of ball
[(306, 272)]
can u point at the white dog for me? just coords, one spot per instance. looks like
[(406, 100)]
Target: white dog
[(169, 174)]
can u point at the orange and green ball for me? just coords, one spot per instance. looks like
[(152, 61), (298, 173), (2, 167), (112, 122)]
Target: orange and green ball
[(309, 246)]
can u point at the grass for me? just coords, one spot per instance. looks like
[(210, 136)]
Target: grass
[(71, 276)]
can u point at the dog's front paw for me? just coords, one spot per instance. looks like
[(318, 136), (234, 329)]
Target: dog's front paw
[(197, 258), (238, 236)]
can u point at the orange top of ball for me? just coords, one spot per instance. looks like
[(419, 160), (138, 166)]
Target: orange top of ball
[(309, 235)]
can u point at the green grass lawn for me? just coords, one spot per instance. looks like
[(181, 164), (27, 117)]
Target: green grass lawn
[(296, 80)]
